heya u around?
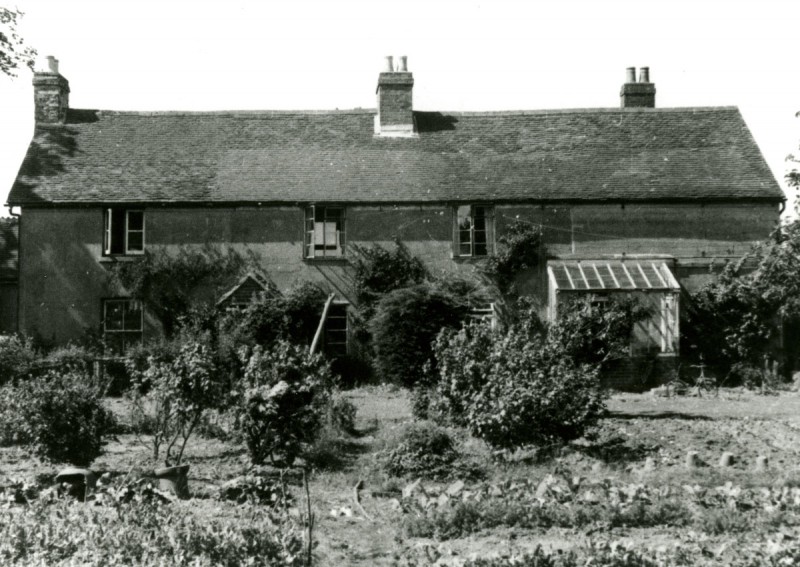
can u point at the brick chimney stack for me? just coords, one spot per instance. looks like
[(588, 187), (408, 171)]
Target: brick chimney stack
[(50, 92), (638, 94), (395, 116)]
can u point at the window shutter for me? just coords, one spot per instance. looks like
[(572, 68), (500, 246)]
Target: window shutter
[(343, 230), (489, 212), (455, 243), (308, 232), (107, 236)]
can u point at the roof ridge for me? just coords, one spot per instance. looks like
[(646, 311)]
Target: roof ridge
[(543, 111)]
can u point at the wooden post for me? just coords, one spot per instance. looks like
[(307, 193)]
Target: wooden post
[(321, 326)]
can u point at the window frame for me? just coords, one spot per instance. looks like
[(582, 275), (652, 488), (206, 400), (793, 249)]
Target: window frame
[(124, 333), (314, 250), (488, 230), (109, 231)]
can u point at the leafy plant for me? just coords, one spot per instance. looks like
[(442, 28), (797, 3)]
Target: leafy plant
[(423, 449), (405, 324), (13, 51), (283, 402), (64, 417), (142, 532), (171, 394), (378, 271), (17, 357), (526, 384), (342, 413), (518, 248)]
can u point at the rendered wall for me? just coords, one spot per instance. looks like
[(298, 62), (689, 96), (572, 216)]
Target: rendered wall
[(63, 274)]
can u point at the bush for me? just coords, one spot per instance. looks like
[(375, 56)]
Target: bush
[(65, 417), (68, 357), (423, 449), (378, 271), (17, 356), (515, 387), (283, 403), (342, 414), (14, 429), (405, 324)]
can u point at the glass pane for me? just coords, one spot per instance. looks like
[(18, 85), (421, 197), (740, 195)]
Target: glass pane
[(465, 248), (591, 276), (114, 316), (577, 279), (135, 220), (480, 243), (605, 274), (560, 275), (115, 342), (117, 232), (619, 273), (319, 234), (132, 316), (135, 241), (638, 280)]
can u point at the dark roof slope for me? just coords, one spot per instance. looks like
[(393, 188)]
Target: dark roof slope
[(600, 154), (9, 248)]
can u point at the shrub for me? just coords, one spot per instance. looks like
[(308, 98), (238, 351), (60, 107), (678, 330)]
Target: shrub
[(303, 308), (17, 356), (342, 413), (423, 449), (405, 324), (519, 247), (14, 429), (68, 357), (515, 387), (65, 417), (378, 271), (172, 393), (283, 403)]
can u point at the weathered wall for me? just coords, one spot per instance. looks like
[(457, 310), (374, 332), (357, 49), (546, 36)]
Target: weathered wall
[(63, 278), (8, 307)]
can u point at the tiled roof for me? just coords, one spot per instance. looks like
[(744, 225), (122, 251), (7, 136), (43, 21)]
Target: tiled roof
[(600, 154), (9, 248)]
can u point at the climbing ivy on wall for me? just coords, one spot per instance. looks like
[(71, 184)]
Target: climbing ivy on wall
[(518, 248)]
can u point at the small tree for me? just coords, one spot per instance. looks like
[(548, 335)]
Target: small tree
[(518, 248), (172, 393)]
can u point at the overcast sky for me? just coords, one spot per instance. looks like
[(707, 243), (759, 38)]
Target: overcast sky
[(465, 55)]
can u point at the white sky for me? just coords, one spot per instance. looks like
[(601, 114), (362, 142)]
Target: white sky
[(465, 55)]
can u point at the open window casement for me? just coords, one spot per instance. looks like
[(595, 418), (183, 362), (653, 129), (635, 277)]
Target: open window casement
[(324, 232), (123, 231), (473, 230)]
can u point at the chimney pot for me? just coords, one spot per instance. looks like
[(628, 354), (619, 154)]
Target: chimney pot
[(389, 66), (403, 64), (637, 94), (47, 64)]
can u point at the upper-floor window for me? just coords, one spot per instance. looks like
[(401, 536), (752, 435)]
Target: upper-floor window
[(124, 231), (473, 230), (122, 323), (324, 232)]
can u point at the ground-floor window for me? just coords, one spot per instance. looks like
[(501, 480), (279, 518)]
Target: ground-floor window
[(122, 324)]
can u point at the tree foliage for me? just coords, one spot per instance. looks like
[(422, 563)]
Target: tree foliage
[(378, 271), (169, 284), (14, 54), (519, 247), (405, 323)]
